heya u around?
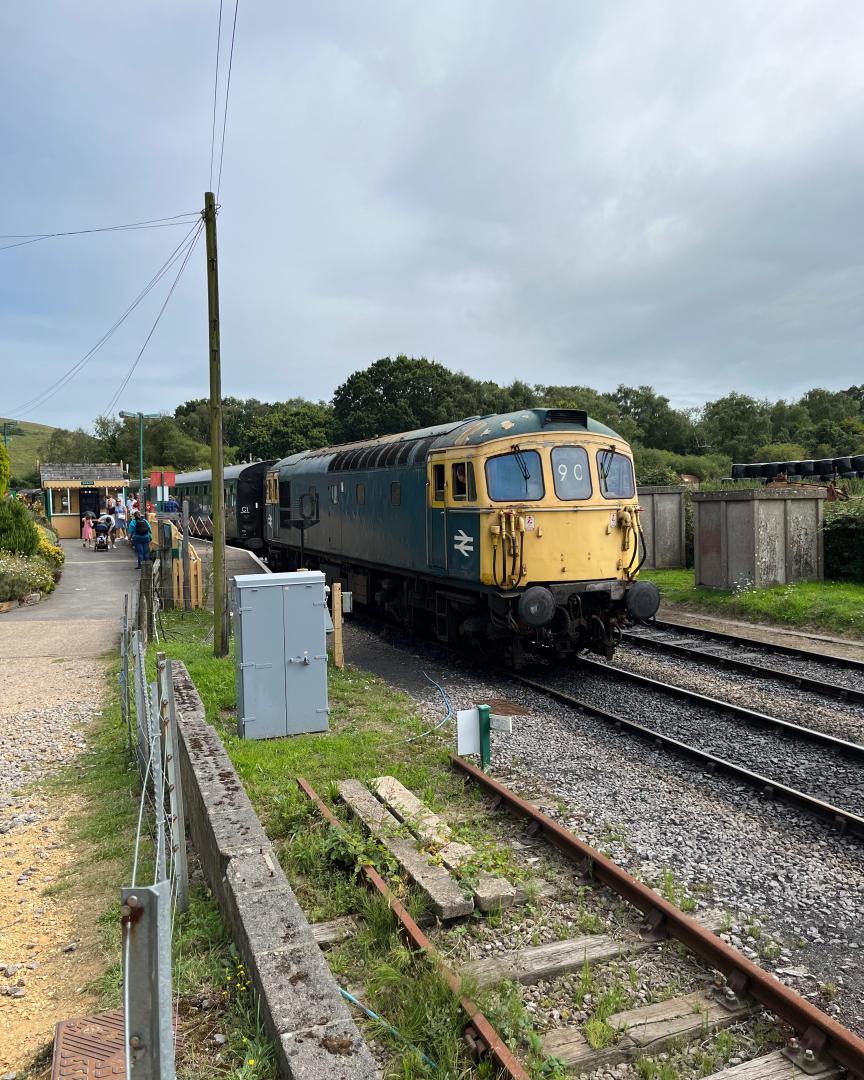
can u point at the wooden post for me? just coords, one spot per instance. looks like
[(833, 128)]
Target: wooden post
[(336, 601), (187, 584), (217, 485)]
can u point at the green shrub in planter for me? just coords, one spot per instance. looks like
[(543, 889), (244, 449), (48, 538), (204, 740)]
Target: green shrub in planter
[(20, 575), (17, 529)]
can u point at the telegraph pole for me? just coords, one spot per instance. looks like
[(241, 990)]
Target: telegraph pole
[(220, 608)]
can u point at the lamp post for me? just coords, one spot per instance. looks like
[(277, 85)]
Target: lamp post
[(141, 418)]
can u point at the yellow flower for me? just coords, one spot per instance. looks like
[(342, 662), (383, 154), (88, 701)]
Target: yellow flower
[(251, 1061)]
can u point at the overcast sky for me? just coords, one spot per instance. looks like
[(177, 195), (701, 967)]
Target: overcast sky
[(661, 191)]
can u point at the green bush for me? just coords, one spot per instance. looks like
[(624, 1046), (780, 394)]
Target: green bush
[(17, 529), (20, 575), (844, 540)]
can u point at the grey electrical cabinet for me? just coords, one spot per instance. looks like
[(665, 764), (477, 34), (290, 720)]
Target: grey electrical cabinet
[(280, 623)]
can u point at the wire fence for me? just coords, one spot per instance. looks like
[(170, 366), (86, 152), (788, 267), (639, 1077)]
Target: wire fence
[(149, 910)]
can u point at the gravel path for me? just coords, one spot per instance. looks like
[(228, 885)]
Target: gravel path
[(52, 681), (656, 814)]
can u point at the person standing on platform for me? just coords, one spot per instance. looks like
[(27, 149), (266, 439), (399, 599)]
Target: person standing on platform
[(86, 531), (120, 521), (140, 534)]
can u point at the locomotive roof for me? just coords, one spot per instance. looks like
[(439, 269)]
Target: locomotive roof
[(473, 431)]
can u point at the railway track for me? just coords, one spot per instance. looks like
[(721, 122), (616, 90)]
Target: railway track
[(838, 677), (644, 720), (730, 990)]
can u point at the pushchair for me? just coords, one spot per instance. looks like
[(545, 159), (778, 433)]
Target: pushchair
[(103, 534)]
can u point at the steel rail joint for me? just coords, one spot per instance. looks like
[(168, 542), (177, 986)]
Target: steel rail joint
[(813, 1024), (483, 1037)]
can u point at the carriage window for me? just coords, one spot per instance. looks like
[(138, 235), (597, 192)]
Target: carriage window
[(285, 503), (360, 492), (396, 494), (616, 475), (463, 481), (516, 476), (438, 483), (570, 472), (334, 493), (272, 489)]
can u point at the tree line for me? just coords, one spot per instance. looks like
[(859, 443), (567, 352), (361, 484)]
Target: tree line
[(400, 394)]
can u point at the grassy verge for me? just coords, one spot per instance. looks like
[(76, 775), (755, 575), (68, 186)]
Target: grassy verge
[(373, 730), (212, 992), (828, 606)]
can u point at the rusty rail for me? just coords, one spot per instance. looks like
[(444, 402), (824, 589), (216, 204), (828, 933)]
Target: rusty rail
[(819, 1032), (480, 1035)]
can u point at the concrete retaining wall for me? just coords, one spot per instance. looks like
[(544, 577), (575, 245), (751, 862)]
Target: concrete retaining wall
[(314, 1035), (663, 526)]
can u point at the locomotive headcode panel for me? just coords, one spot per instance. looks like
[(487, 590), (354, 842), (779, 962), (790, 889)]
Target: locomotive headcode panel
[(508, 531)]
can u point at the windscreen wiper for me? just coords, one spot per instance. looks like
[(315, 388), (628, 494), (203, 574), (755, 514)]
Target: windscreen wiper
[(520, 461)]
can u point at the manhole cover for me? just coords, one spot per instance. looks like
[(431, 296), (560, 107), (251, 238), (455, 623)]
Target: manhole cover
[(90, 1048)]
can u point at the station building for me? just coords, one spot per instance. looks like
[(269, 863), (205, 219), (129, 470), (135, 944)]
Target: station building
[(70, 491)]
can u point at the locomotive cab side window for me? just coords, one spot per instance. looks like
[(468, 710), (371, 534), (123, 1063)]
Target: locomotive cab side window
[(616, 475), (570, 473), (395, 493), (438, 483), (515, 477), (285, 503), (360, 493), (464, 488)]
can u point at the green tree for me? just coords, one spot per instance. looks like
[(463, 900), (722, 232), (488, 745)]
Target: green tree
[(290, 428), (4, 470), (657, 423), (783, 451), (17, 532), (736, 425), (76, 447)]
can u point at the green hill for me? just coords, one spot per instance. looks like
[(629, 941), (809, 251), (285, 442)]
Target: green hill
[(25, 450)]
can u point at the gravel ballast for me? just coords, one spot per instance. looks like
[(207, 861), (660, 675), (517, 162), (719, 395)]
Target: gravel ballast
[(793, 887)]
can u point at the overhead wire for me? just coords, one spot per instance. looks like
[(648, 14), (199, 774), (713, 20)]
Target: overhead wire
[(190, 247), (55, 387), (215, 94), (227, 92), (154, 223)]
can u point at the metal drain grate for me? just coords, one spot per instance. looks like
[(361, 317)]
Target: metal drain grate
[(90, 1048)]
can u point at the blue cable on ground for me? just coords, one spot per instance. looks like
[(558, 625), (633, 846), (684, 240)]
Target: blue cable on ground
[(445, 718), (389, 1027)]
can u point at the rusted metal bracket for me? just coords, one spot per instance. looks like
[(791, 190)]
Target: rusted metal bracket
[(654, 926), (839, 1043), (480, 1036), (809, 1052), (734, 994)]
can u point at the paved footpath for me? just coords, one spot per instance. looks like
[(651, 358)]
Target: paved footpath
[(53, 659)]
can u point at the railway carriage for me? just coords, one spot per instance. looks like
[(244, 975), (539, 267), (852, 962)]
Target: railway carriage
[(244, 503), (515, 530)]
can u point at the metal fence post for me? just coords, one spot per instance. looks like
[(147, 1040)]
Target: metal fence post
[(168, 716), (158, 780), (139, 688), (124, 670), (147, 1007)]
